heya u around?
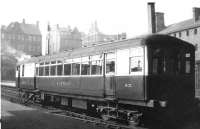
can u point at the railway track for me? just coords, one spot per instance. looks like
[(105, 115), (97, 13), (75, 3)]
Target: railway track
[(12, 94)]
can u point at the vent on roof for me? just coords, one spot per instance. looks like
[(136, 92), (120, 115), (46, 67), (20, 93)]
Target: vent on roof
[(151, 17)]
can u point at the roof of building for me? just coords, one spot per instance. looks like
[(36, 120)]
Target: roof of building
[(30, 29), (187, 24)]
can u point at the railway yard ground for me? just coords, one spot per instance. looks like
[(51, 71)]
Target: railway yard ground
[(16, 116), (19, 116)]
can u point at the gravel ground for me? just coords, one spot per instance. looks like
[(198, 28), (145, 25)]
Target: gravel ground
[(15, 116)]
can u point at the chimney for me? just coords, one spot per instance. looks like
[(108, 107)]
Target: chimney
[(196, 14), (160, 21), (37, 24), (23, 21), (151, 17)]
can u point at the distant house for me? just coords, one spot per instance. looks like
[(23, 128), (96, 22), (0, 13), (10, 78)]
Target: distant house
[(61, 39), (188, 30), (22, 37)]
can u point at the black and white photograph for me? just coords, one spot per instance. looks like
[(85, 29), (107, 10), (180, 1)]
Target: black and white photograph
[(100, 64)]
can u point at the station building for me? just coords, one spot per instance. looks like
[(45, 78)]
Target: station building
[(187, 30), (22, 37)]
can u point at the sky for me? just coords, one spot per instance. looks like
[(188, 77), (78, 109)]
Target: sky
[(112, 16)]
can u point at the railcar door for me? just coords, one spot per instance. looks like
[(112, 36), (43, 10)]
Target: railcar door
[(109, 74), (27, 79)]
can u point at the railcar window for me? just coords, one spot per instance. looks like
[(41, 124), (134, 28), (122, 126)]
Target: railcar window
[(59, 69), (96, 67), (171, 61), (42, 63), (136, 64), (59, 61), (53, 70), (85, 68), (110, 63), (155, 65), (46, 70), (67, 69), (37, 71), (46, 63), (187, 63), (187, 67), (110, 67), (53, 62), (75, 69), (41, 71)]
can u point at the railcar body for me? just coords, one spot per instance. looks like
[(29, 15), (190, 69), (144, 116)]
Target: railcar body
[(146, 72)]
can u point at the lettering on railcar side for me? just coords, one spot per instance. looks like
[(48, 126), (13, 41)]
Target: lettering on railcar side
[(128, 85), (62, 83)]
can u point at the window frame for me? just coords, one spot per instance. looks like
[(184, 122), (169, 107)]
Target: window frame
[(110, 56)]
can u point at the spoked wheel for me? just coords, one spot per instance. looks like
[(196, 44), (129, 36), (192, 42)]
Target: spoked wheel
[(23, 97)]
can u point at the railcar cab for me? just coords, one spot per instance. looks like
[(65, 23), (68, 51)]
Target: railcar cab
[(171, 71)]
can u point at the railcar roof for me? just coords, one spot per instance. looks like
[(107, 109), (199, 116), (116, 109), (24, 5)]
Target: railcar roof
[(106, 47)]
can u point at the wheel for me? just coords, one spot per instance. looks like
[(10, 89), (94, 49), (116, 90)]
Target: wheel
[(105, 117), (134, 121)]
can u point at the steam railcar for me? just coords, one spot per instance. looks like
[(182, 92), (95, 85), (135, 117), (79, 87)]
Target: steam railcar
[(118, 80)]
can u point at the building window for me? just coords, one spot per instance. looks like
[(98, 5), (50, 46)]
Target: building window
[(30, 48), (38, 48), (195, 31), (38, 38), (19, 37), (2, 36), (34, 38), (187, 32), (196, 46), (174, 34), (179, 34), (29, 38)]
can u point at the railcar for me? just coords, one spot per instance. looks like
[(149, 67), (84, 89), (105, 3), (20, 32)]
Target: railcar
[(116, 80)]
